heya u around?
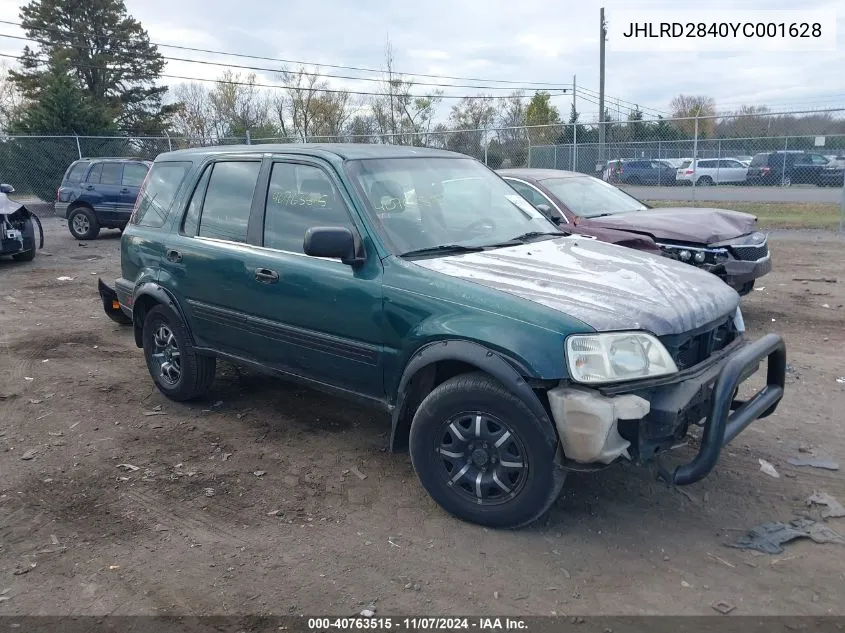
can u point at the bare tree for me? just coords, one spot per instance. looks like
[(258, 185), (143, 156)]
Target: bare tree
[(401, 117), (470, 119), (690, 106), (195, 114), (240, 106), (310, 108), (11, 100)]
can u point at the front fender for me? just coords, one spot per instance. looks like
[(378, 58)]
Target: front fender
[(485, 359)]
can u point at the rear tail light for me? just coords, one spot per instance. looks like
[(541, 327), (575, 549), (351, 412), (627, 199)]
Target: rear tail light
[(765, 170), (58, 192), (689, 172)]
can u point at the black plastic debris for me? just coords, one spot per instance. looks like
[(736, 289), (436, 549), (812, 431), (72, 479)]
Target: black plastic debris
[(770, 537)]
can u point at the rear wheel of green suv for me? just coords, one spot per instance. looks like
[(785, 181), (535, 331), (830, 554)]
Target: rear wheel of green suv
[(483, 455), (177, 370)]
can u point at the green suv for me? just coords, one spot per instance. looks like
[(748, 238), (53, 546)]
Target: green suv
[(505, 351)]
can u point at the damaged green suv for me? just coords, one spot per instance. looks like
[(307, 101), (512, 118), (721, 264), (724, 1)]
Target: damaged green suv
[(505, 351)]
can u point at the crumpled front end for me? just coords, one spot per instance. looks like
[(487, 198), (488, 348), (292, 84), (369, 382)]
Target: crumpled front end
[(737, 262), (17, 228), (637, 421)]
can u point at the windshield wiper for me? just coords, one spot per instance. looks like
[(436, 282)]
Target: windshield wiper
[(443, 249), (527, 237)]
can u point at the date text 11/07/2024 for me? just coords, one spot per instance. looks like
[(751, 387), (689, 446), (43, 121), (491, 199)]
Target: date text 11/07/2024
[(418, 624)]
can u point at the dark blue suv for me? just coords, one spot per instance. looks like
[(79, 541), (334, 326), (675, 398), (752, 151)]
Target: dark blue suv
[(99, 193)]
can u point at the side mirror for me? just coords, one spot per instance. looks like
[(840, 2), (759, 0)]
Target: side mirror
[(549, 213), (4, 188), (335, 242)]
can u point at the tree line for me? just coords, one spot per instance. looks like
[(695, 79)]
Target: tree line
[(92, 70)]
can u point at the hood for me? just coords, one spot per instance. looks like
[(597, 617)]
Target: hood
[(630, 239), (8, 207), (681, 224), (605, 286)]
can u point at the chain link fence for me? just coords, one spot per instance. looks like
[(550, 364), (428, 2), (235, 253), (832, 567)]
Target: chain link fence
[(802, 150)]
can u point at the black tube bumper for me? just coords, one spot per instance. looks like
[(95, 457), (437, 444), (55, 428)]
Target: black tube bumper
[(727, 417), (111, 305)]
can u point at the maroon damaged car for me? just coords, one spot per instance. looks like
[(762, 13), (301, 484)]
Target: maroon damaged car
[(726, 243)]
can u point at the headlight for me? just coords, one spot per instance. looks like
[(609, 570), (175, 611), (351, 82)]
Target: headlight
[(700, 256), (616, 357)]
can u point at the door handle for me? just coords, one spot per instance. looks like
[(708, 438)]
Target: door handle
[(89, 187), (173, 256), (124, 190), (266, 276)]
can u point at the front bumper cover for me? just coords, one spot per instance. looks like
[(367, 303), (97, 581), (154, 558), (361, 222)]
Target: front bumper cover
[(653, 415), (739, 272)]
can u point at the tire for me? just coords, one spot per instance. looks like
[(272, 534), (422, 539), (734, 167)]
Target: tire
[(454, 415), (180, 376), (786, 181), (704, 181), (26, 256), (83, 224)]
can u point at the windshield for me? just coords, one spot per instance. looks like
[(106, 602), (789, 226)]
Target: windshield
[(590, 197), (426, 203)]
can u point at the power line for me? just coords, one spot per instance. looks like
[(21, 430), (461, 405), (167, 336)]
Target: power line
[(279, 70), (281, 87), (644, 109), (293, 61)]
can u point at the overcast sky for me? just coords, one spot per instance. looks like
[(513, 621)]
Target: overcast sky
[(524, 41)]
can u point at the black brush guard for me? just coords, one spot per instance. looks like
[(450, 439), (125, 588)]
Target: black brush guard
[(729, 417)]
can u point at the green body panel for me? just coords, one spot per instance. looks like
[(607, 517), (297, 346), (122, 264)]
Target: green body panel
[(353, 328)]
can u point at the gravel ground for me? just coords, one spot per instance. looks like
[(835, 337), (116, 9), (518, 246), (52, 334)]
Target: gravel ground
[(114, 500)]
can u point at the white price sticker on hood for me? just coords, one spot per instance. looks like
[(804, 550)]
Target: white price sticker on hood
[(523, 205)]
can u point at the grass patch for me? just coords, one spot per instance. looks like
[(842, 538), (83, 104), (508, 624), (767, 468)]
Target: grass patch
[(776, 215)]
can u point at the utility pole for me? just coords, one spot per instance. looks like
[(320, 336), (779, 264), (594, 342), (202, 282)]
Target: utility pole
[(574, 125), (602, 38)]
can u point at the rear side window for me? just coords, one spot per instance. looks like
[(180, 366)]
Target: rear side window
[(95, 174), (133, 174), (759, 159), (707, 164), (685, 164), (228, 200), (159, 191), (76, 172), (112, 174)]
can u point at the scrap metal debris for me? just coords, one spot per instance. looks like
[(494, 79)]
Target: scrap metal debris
[(129, 467), (768, 469), (29, 454), (358, 473), (827, 464), (769, 537), (834, 509), (723, 606), (826, 280)]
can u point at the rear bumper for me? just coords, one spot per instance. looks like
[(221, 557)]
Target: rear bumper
[(112, 305), (60, 209), (738, 273)]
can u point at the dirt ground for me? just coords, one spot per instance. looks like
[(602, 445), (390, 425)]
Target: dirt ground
[(250, 502)]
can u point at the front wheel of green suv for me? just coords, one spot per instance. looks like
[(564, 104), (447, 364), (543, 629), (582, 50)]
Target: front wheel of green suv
[(177, 370), (483, 455)]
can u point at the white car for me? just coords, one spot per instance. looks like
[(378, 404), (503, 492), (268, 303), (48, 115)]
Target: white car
[(711, 171)]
